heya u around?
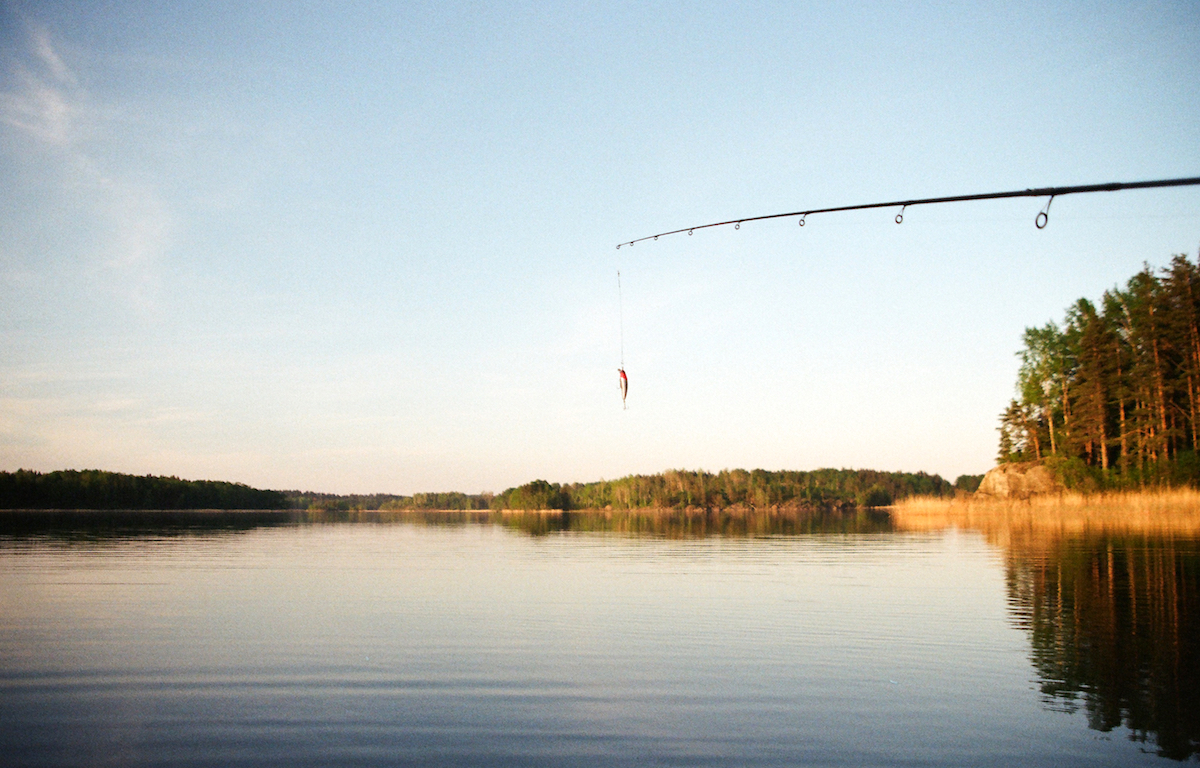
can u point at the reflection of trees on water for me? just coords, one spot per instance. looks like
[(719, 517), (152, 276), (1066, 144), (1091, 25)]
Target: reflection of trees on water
[(1114, 618), (83, 526), (698, 523), (1115, 626), (429, 517), (691, 523)]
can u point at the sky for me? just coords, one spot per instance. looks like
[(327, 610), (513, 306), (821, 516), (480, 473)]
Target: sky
[(370, 247)]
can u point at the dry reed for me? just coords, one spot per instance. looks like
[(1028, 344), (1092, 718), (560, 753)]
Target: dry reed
[(1175, 512)]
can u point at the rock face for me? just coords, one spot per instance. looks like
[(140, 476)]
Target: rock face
[(1017, 481)]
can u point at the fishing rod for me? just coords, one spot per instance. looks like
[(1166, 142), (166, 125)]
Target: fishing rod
[(1039, 221)]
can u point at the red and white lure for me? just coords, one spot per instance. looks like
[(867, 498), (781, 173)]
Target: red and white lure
[(624, 385)]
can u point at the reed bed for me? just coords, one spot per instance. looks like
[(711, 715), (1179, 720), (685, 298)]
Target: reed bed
[(1168, 511)]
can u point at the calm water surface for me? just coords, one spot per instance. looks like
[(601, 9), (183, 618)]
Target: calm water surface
[(376, 639)]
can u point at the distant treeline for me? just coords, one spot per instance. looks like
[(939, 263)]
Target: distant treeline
[(388, 501), (678, 489), (1111, 398), (95, 489), (757, 489)]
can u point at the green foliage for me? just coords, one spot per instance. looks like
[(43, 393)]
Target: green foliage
[(536, 495), (94, 489), (968, 483), (1113, 395), (876, 496), (452, 500), (1016, 434), (1186, 468), (757, 489), (1075, 473)]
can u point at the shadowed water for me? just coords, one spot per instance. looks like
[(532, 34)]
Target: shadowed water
[(619, 639)]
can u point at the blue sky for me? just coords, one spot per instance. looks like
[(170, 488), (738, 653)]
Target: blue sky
[(370, 247)]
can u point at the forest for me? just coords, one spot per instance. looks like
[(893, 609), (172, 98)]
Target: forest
[(448, 500), (96, 489), (756, 489), (1110, 399), (676, 489)]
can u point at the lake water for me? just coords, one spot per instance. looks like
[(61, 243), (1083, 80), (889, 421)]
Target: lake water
[(376, 639)]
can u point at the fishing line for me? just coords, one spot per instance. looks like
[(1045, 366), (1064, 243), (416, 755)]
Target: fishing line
[(621, 318), (1040, 221), (622, 379)]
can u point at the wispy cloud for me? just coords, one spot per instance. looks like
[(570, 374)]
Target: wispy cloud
[(47, 105), (49, 57), (42, 104), (39, 110)]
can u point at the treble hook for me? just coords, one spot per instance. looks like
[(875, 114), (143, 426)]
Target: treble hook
[(900, 216), (802, 218), (1042, 219)]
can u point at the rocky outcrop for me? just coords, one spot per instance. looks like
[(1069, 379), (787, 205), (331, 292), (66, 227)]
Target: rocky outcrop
[(1017, 481)]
